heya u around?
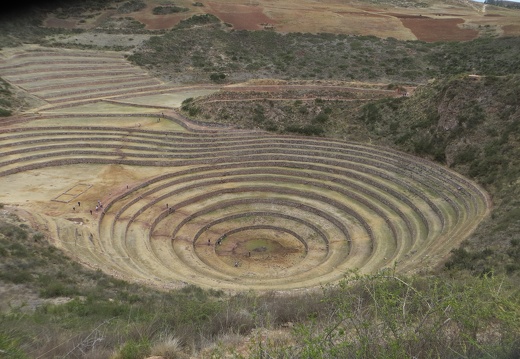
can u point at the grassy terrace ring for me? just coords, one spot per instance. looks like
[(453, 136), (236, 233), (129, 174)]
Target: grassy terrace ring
[(243, 210)]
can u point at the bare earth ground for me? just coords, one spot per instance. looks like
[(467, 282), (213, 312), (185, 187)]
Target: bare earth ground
[(290, 212)]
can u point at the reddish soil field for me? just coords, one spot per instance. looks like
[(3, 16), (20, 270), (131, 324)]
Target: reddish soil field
[(242, 17), (430, 30), (511, 30), (364, 14), (159, 22)]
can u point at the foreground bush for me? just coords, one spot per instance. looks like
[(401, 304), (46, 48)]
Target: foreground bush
[(384, 316)]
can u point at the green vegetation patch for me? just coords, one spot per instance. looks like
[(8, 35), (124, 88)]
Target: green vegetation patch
[(165, 10), (206, 46), (131, 6), (473, 126)]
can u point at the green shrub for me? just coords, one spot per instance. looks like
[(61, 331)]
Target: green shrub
[(38, 237), (131, 6), (165, 10), (204, 19), (13, 232), (258, 114), (134, 350), (189, 107), (16, 276), (53, 289), (467, 155), (10, 347), (370, 113), (17, 249), (383, 316), (308, 130), (322, 117), (193, 111), (303, 110), (217, 77)]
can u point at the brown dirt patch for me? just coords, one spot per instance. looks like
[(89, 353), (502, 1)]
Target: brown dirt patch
[(54, 22), (242, 17), (430, 30), (363, 14), (339, 19), (511, 30), (406, 16), (76, 220)]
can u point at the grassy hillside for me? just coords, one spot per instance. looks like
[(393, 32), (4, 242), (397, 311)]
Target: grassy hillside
[(13, 100), (191, 52), (473, 126)]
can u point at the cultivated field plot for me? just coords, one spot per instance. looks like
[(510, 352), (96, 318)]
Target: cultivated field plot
[(169, 202)]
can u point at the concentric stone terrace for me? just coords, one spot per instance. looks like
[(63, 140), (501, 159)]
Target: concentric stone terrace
[(221, 208), (249, 210)]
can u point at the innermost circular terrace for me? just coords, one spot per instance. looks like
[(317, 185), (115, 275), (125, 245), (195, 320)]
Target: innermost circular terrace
[(260, 253)]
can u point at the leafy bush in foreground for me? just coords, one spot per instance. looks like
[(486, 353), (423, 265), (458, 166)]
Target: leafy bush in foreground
[(384, 316)]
